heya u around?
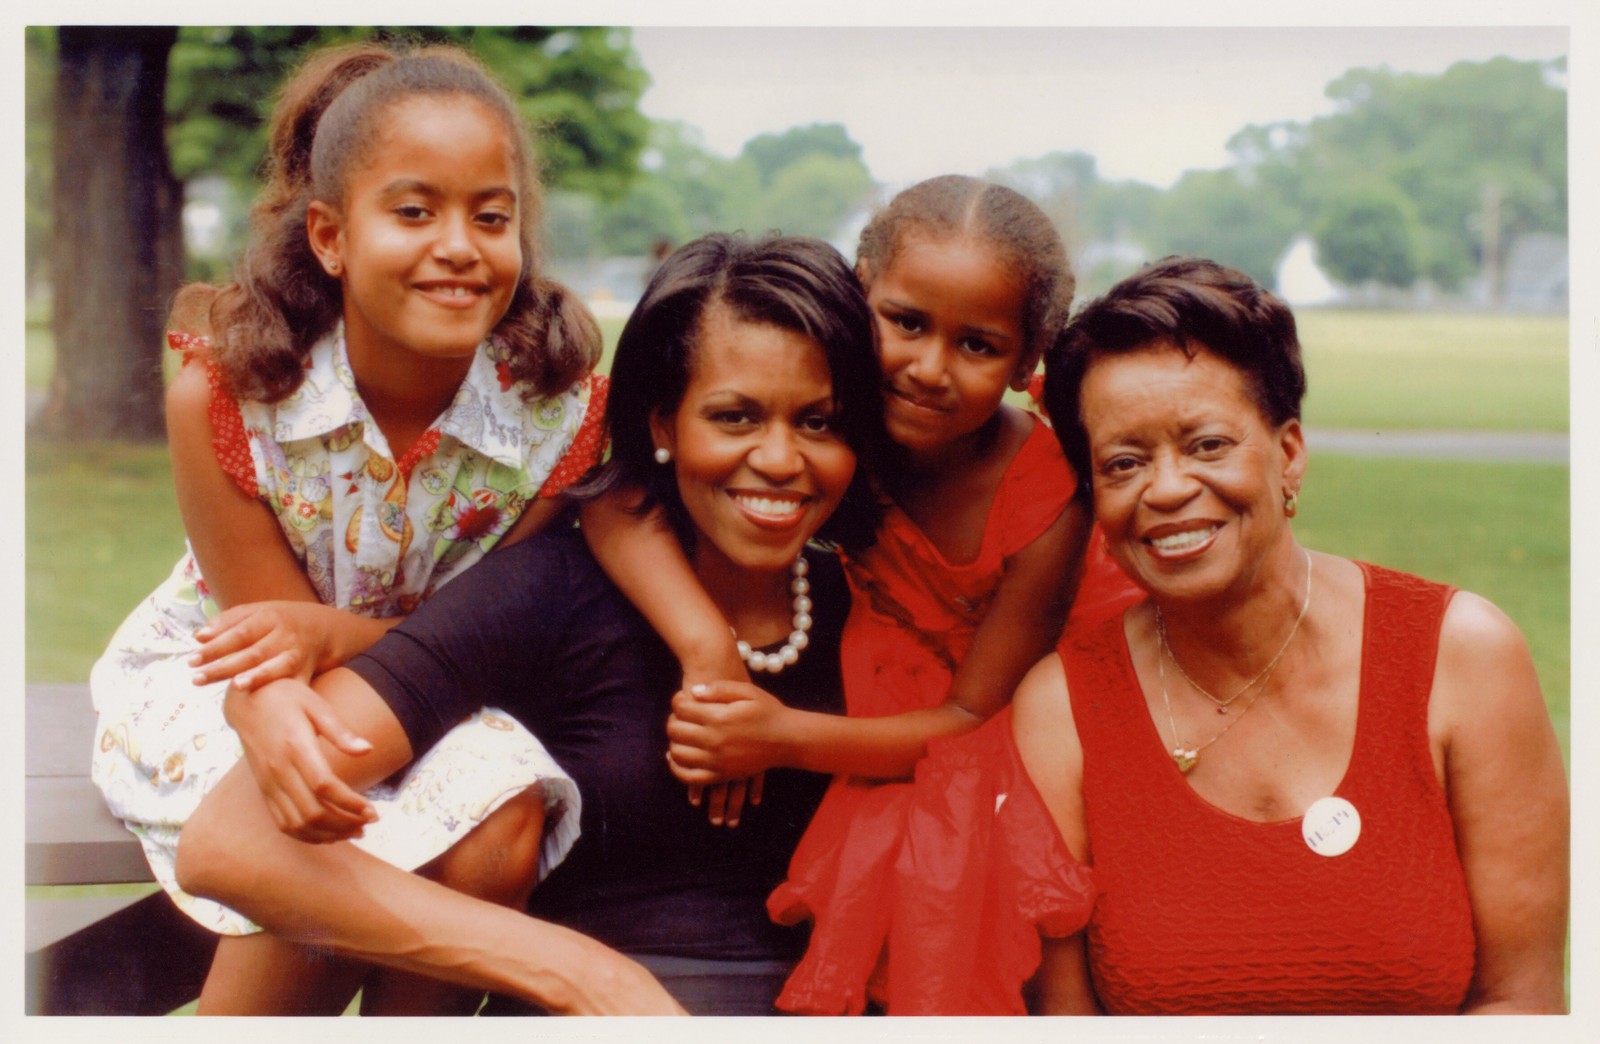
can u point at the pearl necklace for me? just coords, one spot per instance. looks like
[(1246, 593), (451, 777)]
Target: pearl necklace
[(774, 662), (1187, 757)]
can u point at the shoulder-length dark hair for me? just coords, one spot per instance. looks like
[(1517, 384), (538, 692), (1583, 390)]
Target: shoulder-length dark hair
[(1189, 303), (790, 282)]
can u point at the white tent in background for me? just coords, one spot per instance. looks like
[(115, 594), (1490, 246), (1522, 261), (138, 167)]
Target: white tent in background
[(1301, 280)]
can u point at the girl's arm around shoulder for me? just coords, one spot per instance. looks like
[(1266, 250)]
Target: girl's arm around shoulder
[(1024, 621), (1047, 741), (1508, 798), (644, 559), (273, 624), (731, 729)]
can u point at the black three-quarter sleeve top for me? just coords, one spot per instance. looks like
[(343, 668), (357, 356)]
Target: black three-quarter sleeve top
[(538, 631)]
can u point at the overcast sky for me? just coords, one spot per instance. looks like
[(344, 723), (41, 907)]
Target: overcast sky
[(1148, 103)]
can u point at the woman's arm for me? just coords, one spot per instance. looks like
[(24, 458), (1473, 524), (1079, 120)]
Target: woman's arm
[(273, 624), (733, 730), (1508, 798), (339, 896), (1047, 742)]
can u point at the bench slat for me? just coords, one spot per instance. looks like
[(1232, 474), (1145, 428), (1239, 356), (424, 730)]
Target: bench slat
[(72, 838)]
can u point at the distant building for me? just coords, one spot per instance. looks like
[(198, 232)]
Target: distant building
[(1536, 274), (1300, 280)]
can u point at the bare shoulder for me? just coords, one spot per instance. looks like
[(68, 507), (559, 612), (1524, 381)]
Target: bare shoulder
[(1473, 625), (1478, 641), (1484, 680), (189, 396)]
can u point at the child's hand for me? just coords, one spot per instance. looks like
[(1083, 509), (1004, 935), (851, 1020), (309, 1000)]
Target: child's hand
[(279, 726), (260, 642), (724, 731)]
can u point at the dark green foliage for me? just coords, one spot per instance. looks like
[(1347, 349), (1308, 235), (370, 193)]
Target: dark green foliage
[(1369, 233), (579, 87)]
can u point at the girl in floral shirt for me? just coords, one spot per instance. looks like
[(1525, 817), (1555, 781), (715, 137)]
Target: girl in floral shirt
[(387, 391)]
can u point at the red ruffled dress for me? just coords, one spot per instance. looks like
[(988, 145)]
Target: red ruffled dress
[(912, 619)]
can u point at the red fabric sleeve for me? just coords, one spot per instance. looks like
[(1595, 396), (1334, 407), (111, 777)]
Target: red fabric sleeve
[(982, 876), (587, 446), (228, 439)]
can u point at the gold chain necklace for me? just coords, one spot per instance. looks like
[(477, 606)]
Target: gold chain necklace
[(1187, 757), (1222, 705)]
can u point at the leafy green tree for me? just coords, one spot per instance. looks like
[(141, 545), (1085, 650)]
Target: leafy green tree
[(1368, 233), (805, 181), (813, 195), (649, 213), (715, 193), (39, 65), (1216, 214), (1478, 152), (771, 153)]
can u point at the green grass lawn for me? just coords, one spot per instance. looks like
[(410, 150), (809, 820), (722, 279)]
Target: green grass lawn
[(1498, 530), (1425, 370)]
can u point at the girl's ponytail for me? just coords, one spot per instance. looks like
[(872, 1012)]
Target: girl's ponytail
[(281, 301)]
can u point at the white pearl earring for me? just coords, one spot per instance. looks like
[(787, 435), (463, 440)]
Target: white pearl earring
[(663, 455)]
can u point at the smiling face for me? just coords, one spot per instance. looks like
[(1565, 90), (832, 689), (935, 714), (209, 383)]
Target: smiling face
[(425, 243), (1189, 478), (949, 315), (760, 464)]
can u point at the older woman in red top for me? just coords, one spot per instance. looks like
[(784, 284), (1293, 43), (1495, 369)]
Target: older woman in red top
[(1305, 784)]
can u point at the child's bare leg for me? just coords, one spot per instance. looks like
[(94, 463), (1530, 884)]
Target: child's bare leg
[(498, 861), (264, 975)]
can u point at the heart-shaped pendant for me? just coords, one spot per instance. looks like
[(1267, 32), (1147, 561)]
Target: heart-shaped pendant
[(1184, 759)]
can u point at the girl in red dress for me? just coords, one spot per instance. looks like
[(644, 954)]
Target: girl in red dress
[(970, 581)]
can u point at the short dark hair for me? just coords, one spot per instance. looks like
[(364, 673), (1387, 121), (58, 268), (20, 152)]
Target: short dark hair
[(1189, 303), (790, 282)]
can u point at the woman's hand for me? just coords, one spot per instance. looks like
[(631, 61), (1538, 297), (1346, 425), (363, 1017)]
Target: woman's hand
[(279, 727), (260, 642)]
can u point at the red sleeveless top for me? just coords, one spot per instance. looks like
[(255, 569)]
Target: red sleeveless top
[(1202, 912)]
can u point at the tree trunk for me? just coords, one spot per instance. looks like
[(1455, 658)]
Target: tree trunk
[(117, 254)]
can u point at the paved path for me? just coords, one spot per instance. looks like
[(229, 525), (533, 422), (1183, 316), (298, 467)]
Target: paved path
[(1525, 447)]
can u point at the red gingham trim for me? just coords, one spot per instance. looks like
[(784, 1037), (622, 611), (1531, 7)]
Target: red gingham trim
[(228, 439), (420, 450), (587, 445)]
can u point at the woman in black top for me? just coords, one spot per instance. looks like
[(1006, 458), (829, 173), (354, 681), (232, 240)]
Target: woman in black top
[(743, 388)]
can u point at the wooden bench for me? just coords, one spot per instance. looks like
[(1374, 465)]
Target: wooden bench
[(99, 955)]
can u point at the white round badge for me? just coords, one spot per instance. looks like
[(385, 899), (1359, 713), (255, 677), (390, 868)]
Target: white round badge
[(1331, 826)]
